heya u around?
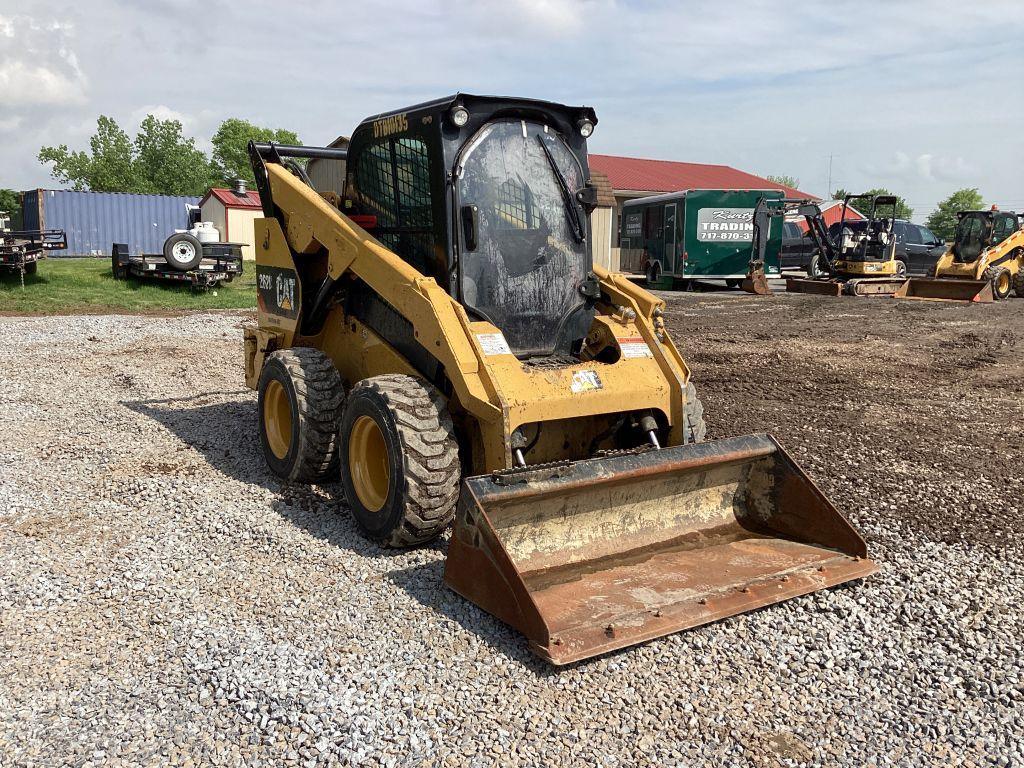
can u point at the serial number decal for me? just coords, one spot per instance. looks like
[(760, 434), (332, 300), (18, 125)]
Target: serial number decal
[(586, 381), (388, 126), (278, 291), (493, 344), (634, 347)]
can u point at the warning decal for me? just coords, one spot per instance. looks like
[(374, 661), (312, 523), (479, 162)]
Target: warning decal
[(634, 346), (493, 344)]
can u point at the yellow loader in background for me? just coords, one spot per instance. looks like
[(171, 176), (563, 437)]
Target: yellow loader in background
[(437, 336), (985, 262)]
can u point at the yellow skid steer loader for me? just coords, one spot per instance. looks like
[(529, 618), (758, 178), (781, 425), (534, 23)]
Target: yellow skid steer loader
[(984, 264), (437, 336)]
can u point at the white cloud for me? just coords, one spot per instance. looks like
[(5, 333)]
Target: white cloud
[(37, 66), (924, 167)]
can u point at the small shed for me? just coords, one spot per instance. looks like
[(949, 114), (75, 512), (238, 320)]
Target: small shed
[(233, 212), (329, 175)]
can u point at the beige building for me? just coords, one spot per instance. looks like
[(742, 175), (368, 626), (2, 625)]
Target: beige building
[(328, 175), (602, 224), (233, 212)]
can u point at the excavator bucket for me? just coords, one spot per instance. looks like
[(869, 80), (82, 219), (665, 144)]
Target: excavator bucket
[(756, 282), (590, 556), (939, 289)]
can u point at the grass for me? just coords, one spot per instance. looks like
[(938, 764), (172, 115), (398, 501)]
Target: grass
[(72, 286)]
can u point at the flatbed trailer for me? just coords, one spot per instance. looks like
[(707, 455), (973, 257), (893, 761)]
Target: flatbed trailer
[(21, 250), (221, 263)]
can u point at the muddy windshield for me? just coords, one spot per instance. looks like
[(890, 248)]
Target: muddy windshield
[(516, 196)]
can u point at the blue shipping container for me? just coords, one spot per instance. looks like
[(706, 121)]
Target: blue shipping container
[(94, 221)]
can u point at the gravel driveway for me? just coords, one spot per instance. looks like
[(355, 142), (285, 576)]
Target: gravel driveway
[(165, 600)]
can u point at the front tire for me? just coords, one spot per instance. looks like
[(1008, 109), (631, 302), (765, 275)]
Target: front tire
[(32, 267), (814, 269), (300, 400), (399, 460), (901, 269), (1001, 280)]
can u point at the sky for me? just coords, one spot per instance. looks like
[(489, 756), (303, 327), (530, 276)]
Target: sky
[(923, 98)]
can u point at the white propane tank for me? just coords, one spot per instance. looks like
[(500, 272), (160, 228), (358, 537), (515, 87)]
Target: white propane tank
[(205, 232)]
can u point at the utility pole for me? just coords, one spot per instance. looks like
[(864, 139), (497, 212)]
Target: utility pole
[(828, 192)]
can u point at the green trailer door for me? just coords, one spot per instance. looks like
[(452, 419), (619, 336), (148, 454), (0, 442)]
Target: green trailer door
[(719, 230), (669, 240)]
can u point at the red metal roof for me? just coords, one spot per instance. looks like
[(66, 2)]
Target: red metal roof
[(832, 213), (639, 175), (230, 199)]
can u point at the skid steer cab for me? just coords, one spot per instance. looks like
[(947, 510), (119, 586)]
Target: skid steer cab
[(436, 336), (984, 264)]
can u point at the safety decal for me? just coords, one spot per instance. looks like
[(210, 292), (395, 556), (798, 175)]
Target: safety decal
[(493, 344), (634, 346)]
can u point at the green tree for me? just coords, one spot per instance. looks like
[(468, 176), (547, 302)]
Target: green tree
[(942, 220), (786, 181), (10, 203), (230, 148), (160, 160), (903, 211)]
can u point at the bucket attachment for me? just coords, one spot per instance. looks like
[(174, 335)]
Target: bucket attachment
[(946, 289), (590, 556), (756, 282)]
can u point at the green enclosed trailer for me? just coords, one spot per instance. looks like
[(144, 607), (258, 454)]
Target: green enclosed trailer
[(699, 234)]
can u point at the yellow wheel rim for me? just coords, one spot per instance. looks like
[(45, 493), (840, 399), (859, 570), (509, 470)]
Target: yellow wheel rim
[(1003, 284), (277, 418), (368, 463)]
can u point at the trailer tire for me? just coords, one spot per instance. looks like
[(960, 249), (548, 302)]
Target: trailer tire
[(399, 460), (1001, 281), (300, 400), (183, 251), (693, 412)]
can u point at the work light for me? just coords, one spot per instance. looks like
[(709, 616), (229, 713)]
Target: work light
[(586, 128), (459, 115)]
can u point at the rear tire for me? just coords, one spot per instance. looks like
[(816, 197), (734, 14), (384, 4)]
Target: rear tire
[(1001, 281), (183, 251), (300, 400), (1018, 281), (399, 460), (695, 429), (32, 267)]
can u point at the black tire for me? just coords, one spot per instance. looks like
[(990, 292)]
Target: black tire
[(1001, 281), (421, 486), (693, 411), (302, 448), (733, 283), (1018, 280), (814, 269), (901, 269), (183, 251), (32, 267), (653, 274), (932, 270)]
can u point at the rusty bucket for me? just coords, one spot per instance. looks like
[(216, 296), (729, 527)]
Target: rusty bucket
[(946, 289), (590, 556)]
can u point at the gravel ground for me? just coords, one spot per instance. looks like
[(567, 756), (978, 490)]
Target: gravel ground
[(165, 600)]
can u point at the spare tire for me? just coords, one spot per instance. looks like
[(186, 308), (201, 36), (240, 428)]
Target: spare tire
[(183, 251)]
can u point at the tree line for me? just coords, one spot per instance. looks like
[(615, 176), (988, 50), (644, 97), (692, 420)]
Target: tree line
[(159, 159)]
